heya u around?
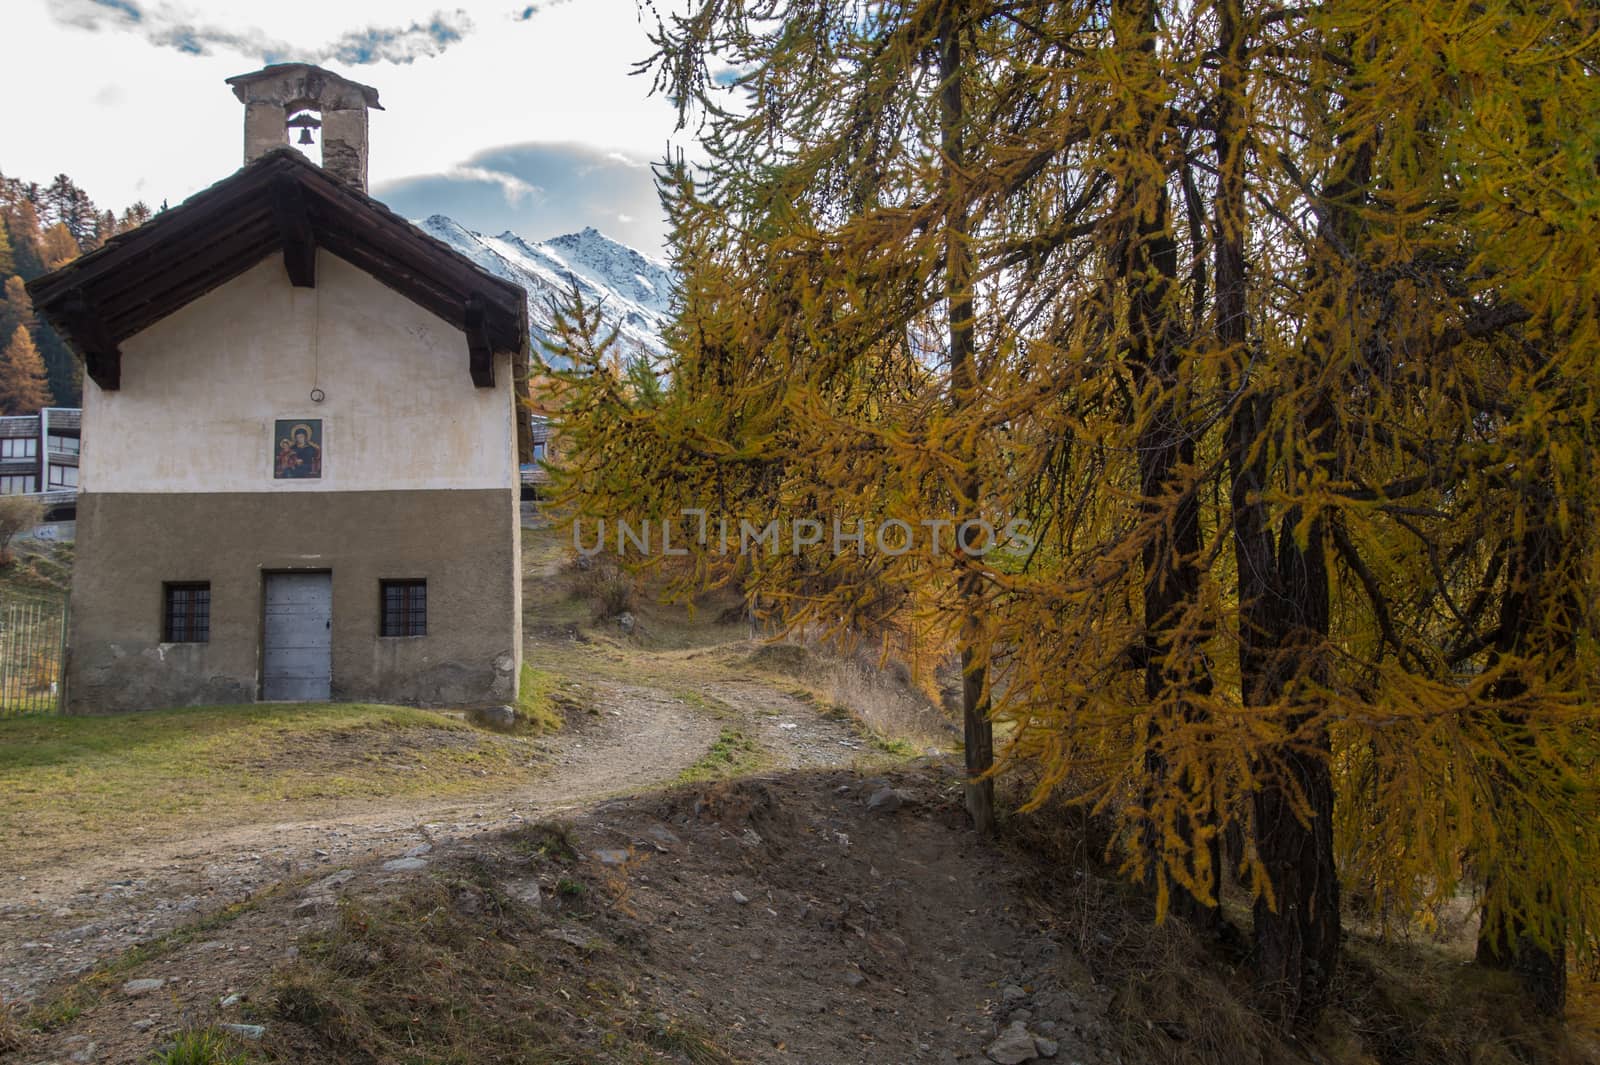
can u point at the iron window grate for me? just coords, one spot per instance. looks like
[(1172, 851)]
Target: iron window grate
[(187, 615), (404, 607)]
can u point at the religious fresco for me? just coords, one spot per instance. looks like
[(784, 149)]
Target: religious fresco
[(298, 454)]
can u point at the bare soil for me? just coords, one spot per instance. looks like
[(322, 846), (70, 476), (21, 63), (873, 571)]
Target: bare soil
[(781, 917)]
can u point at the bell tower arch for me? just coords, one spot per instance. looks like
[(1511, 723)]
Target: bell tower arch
[(299, 97)]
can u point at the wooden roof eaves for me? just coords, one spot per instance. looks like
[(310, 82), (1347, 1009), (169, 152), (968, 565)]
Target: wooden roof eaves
[(80, 297)]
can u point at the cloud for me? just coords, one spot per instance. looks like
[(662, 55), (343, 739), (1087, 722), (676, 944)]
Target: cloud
[(121, 6), (515, 189), (167, 26), (530, 10), (627, 160), (401, 45), (540, 190)]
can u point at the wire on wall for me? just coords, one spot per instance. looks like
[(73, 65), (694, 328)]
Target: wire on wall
[(317, 394)]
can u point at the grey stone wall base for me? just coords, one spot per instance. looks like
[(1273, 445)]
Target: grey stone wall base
[(463, 543)]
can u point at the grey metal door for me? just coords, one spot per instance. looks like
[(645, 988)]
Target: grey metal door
[(297, 639)]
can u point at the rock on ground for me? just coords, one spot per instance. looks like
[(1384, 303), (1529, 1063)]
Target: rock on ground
[(1014, 1046)]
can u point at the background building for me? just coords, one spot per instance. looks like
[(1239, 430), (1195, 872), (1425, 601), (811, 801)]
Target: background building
[(39, 452), (39, 457)]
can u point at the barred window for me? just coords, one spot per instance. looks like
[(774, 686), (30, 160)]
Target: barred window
[(405, 607), (186, 617)]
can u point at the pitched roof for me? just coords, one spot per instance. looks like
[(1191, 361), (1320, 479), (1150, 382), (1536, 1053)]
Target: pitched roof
[(279, 203)]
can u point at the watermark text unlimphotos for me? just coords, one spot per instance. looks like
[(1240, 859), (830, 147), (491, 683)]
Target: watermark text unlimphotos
[(974, 537)]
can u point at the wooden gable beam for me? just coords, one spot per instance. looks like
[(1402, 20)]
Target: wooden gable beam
[(136, 286), (101, 356), (480, 355), (294, 229), (162, 291), (402, 241), (409, 251)]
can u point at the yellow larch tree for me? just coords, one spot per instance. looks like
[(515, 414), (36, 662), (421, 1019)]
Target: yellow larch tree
[(1276, 327)]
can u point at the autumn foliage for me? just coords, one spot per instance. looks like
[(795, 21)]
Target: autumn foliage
[(22, 383), (44, 227), (1279, 326)]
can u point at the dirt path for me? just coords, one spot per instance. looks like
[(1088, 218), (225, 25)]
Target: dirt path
[(59, 920)]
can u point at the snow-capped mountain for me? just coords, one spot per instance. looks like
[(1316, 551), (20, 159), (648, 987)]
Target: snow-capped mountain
[(634, 290)]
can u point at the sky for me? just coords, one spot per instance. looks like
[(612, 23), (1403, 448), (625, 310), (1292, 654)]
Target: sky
[(500, 114)]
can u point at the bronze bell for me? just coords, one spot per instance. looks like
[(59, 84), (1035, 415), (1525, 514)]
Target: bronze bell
[(305, 123)]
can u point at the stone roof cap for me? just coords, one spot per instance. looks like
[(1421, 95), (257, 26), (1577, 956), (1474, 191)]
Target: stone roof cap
[(303, 85)]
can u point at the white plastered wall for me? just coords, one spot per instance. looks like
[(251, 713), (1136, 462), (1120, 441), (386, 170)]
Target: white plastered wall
[(203, 387)]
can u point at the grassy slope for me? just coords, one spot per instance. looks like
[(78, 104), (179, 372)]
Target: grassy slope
[(63, 777), (448, 968), (39, 568)]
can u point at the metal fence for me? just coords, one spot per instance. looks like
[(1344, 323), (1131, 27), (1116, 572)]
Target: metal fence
[(33, 642)]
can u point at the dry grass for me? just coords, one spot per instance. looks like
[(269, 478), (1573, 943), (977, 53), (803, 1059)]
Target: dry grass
[(552, 840), (602, 581), (1179, 998), (39, 566), (67, 780), (12, 1036), (1173, 1000), (202, 1046), (883, 697), (1414, 1003), (732, 755), (545, 699), (888, 701), (453, 970)]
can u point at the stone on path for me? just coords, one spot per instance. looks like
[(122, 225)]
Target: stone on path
[(405, 865), (885, 800), (313, 905), (1014, 1046), (566, 935), (662, 836)]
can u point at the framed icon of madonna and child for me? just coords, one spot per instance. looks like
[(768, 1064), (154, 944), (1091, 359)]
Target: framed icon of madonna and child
[(297, 451)]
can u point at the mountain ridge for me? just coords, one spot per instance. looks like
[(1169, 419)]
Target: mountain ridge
[(634, 290)]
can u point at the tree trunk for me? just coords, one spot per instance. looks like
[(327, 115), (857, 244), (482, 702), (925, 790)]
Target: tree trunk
[(977, 730), (1507, 941), (1283, 614), (1507, 944), (1297, 940), (1166, 445)]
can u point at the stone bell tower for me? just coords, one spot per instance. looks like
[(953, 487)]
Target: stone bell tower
[(288, 96)]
